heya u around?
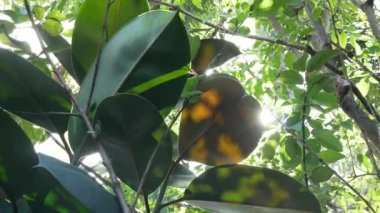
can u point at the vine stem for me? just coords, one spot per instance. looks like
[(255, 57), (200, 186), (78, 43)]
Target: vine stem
[(106, 161)]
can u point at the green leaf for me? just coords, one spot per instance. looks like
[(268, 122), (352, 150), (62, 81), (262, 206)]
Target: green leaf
[(213, 53), (56, 15), (314, 144), (300, 64), (77, 182), (30, 94), (38, 12), (330, 156), (364, 86), (327, 139), (343, 40), (48, 195), (265, 8), (88, 28), (293, 150), (325, 99), (22, 206), (222, 126), (321, 174), (17, 156), (130, 130), (240, 188), (195, 43), (291, 77), (52, 26), (61, 49), (319, 59), (155, 69), (181, 177)]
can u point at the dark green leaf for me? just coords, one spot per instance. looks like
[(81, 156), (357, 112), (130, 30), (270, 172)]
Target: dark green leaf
[(48, 195), (77, 182), (325, 99), (222, 126), (17, 156), (319, 59), (330, 156), (213, 53), (30, 94), (321, 174), (131, 128), (155, 69), (249, 189), (181, 177), (88, 28), (327, 139)]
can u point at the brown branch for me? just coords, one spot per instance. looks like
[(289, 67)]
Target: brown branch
[(369, 11)]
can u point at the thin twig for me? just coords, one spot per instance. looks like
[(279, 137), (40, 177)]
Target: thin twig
[(99, 53), (372, 157), (115, 182)]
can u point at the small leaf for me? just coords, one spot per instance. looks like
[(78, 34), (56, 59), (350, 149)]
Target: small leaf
[(240, 188), (38, 12), (291, 77), (213, 53), (27, 92), (265, 8), (321, 174), (343, 40), (330, 156), (319, 59), (131, 128), (300, 64), (79, 184), (222, 126), (52, 26), (363, 86), (56, 15), (325, 99), (327, 139)]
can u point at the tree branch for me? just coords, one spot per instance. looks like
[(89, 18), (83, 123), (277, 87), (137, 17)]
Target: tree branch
[(115, 182), (369, 11)]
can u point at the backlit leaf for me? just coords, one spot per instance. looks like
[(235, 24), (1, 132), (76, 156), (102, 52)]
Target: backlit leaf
[(213, 53), (330, 156), (222, 126), (240, 188)]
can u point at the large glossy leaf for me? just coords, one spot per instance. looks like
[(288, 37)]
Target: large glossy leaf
[(240, 188), (130, 129), (29, 93), (222, 126), (48, 195), (17, 156), (213, 53), (181, 177), (77, 182), (61, 49), (150, 62), (88, 28)]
